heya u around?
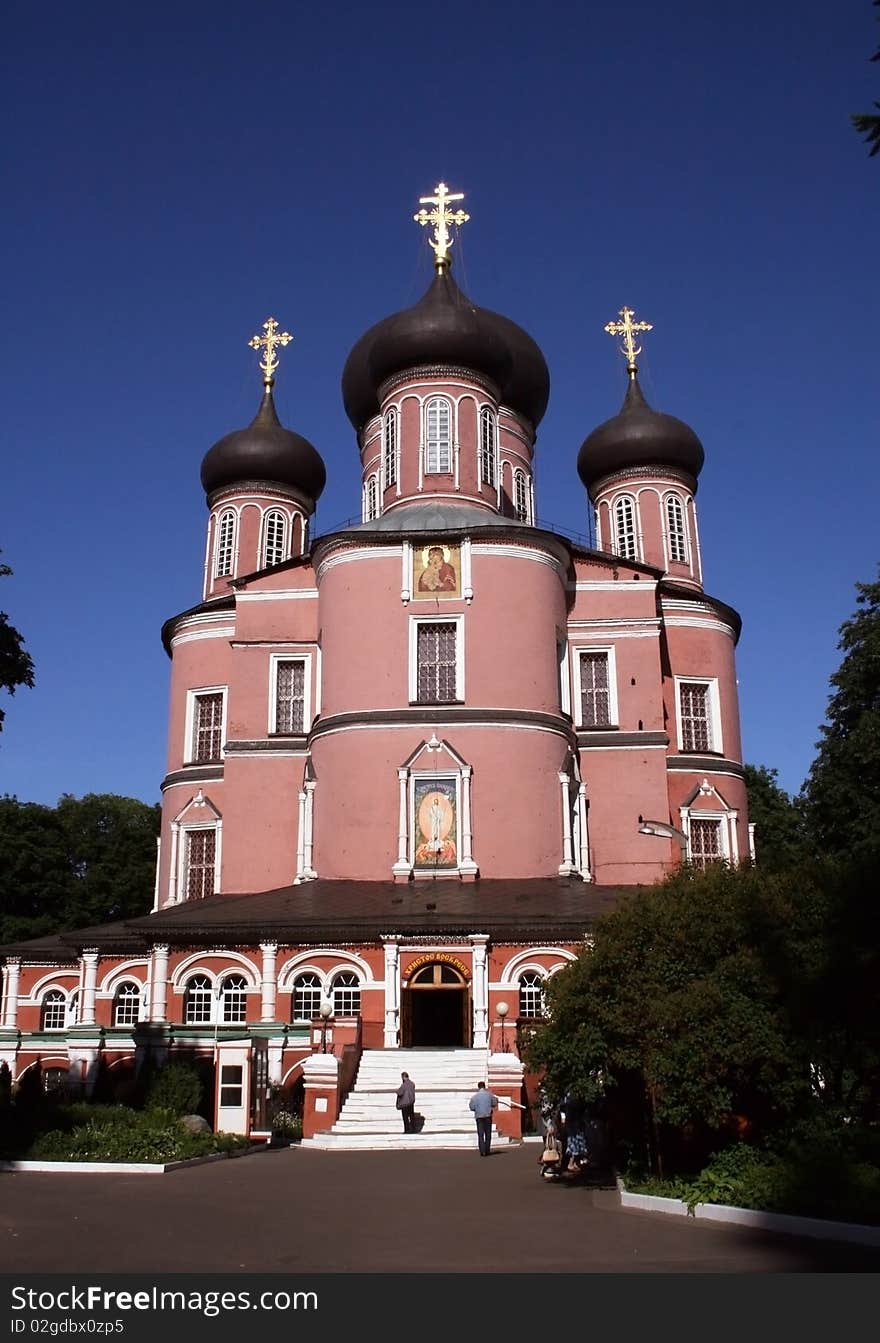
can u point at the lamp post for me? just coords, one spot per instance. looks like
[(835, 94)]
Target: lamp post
[(326, 1011), (502, 1010), (664, 831)]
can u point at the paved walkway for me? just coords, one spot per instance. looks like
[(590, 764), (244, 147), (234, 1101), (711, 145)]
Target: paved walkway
[(379, 1212)]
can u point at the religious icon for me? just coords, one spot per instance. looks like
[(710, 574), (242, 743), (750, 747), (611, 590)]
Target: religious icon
[(436, 571), (436, 838)]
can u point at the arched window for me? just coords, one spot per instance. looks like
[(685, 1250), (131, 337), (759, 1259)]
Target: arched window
[(197, 1001), (53, 1014), (438, 436), (126, 1004), (225, 544), (625, 528), (675, 526), (346, 994), (389, 447), (531, 994), (520, 496), (274, 538), (307, 996), (371, 499), (488, 442), (233, 997)]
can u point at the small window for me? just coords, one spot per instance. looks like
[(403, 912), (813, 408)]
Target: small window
[(126, 1005), (207, 728), (705, 842), (488, 448), (55, 1081), (231, 1084), (53, 1016), (198, 1001), (595, 690), (371, 499), (520, 496), (307, 997), (675, 526), (436, 660), (225, 544), (438, 436), (625, 528), (233, 997), (531, 994), (290, 686), (696, 716), (275, 542), (346, 995), (200, 859), (389, 447)]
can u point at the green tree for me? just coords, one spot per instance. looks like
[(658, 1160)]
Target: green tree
[(868, 124), (16, 667), (780, 837), (842, 793), (34, 870)]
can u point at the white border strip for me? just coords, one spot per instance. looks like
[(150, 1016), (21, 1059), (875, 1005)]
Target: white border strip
[(783, 1223)]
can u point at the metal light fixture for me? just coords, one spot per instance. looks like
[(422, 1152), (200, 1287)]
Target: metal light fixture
[(663, 830), (326, 1011), (502, 1009)]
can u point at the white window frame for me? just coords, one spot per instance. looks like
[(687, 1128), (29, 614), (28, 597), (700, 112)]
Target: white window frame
[(59, 1000), (676, 536), (488, 450), (211, 991), (189, 737), (415, 622), (420, 776), (562, 662), (135, 1000), (532, 973), (449, 443), (358, 988), (716, 741), (615, 523), (183, 853), (390, 441), (271, 514), (274, 660), (319, 987), (521, 502), (241, 992), (577, 712), (719, 818), (371, 498), (225, 552)]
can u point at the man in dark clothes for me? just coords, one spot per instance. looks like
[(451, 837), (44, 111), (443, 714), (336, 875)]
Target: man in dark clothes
[(406, 1102)]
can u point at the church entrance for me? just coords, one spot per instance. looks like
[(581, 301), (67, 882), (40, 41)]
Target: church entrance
[(436, 1009)]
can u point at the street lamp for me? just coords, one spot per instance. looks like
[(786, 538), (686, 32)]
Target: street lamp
[(663, 830), (326, 1011), (502, 1010)]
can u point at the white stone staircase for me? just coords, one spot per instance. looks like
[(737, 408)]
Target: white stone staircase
[(445, 1080)]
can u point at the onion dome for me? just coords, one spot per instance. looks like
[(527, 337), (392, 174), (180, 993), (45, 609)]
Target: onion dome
[(445, 327), (639, 436), (265, 451)]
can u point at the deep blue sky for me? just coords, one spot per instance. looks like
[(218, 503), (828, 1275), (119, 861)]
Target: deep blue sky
[(174, 174)]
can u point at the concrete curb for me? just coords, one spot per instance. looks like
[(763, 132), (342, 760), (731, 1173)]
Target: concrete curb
[(114, 1167), (781, 1223)]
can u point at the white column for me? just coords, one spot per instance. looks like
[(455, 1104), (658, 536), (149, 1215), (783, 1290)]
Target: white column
[(752, 840), (301, 838), (218, 854), (734, 838), (156, 882), (392, 994), (480, 990), (10, 997), (402, 867), (90, 984), (566, 867), (172, 874), (309, 872), (585, 842), (466, 864), (269, 982), (159, 983)]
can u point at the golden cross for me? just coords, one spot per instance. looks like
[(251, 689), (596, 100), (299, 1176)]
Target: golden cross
[(627, 328), (441, 217), (268, 344)]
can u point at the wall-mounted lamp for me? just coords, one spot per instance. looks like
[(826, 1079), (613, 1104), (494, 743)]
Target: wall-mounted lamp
[(663, 830), (502, 1009)]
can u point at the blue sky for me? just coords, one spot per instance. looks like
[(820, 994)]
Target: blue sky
[(177, 173)]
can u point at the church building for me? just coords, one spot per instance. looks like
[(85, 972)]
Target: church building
[(410, 761)]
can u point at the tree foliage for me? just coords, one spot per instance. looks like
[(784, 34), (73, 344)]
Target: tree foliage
[(16, 667), (780, 835), (868, 124)]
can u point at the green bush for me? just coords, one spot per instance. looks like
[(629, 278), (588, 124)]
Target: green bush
[(176, 1087), (116, 1134)]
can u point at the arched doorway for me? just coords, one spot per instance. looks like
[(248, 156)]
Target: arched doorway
[(436, 1008)]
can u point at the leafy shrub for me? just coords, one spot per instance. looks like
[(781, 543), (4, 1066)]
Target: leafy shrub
[(176, 1087), (116, 1134)]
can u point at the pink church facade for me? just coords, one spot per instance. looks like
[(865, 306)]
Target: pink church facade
[(411, 761)]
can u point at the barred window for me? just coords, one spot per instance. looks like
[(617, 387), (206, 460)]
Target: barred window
[(201, 848), (488, 440), (438, 436), (346, 995), (197, 1001), (520, 496), (290, 687), (531, 994), (275, 542), (126, 1005), (53, 1016), (696, 722), (207, 728), (307, 996), (675, 527), (233, 997), (371, 499), (595, 690), (705, 842), (389, 447), (625, 528), (225, 544), (436, 662)]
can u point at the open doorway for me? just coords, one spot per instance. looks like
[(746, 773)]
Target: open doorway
[(436, 1008)]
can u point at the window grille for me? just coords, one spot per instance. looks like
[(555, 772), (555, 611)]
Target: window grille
[(675, 526), (520, 497), (54, 1012), (389, 447), (438, 436), (54, 1080), (371, 500), (307, 996), (233, 996), (488, 437), (625, 528), (225, 544), (290, 683), (201, 848), (436, 659), (207, 737), (705, 842), (346, 996), (197, 1001), (595, 690), (126, 1005), (696, 724), (531, 994), (275, 548)]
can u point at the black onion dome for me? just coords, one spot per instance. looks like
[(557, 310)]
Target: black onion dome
[(445, 327), (265, 451), (638, 436)]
